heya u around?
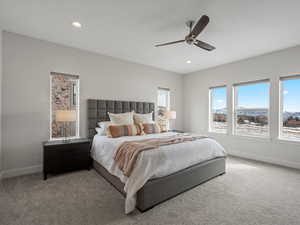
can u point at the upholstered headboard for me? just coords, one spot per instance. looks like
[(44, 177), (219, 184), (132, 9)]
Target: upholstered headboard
[(98, 110)]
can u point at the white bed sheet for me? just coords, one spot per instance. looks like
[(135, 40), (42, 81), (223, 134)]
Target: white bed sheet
[(153, 163)]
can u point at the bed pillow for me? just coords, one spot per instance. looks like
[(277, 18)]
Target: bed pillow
[(100, 131), (143, 118), (150, 128), (102, 128), (124, 130), (121, 118), (104, 124)]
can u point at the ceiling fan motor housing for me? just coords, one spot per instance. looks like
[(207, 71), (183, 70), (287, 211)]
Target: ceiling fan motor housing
[(190, 39)]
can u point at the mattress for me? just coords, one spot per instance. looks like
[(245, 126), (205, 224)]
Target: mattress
[(154, 163)]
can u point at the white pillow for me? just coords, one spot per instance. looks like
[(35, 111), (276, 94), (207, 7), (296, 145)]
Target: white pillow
[(121, 118), (100, 131), (143, 118), (104, 124)]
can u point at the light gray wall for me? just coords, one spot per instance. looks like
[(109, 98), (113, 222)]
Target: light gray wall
[(0, 100), (27, 66), (271, 66)]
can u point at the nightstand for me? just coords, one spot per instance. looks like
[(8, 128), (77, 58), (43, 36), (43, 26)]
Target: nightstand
[(61, 156)]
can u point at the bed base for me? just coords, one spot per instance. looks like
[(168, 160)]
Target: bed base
[(158, 190)]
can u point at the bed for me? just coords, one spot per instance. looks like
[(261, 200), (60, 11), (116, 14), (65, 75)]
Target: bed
[(168, 181)]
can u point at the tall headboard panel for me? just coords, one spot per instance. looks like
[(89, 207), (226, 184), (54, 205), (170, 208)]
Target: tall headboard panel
[(98, 110)]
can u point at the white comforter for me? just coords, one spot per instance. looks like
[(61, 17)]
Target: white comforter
[(153, 163)]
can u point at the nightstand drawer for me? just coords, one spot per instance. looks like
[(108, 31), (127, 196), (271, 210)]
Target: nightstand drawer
[(57, 150), (76, 161), (53, 166)]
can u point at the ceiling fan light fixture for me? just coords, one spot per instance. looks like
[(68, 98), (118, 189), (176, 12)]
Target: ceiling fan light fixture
[(76, 24), (188, 61)]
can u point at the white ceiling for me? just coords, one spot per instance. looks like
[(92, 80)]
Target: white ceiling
[(129, 29)]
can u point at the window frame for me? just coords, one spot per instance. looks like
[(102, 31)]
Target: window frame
[(168, 97), (210, 111), (235, 106), (281, 104), (168, 100), (77, 108)]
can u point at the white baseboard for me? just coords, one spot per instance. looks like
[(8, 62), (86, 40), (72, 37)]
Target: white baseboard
[(265, 159), (21, 171)]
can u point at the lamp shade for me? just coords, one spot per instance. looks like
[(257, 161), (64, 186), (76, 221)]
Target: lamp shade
[(65, 115), (170, 115)]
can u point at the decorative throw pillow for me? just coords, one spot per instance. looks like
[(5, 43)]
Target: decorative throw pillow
[(124, 130), (143, 118), (150, 128), (121, 118)]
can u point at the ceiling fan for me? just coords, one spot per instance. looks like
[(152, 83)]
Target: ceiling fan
[(194, 32)]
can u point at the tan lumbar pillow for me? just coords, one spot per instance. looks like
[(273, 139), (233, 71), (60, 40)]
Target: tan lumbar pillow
[(150, 128), (115, 131)]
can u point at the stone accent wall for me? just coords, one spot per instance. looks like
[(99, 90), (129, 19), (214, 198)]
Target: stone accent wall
[(63, 99)]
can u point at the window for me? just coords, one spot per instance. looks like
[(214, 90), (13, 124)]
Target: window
[(163, 100), (163, 105), (218, 110), (251, 109), (290, 108), (64, 113)]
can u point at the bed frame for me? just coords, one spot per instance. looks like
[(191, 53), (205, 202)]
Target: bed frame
[(156, 190)]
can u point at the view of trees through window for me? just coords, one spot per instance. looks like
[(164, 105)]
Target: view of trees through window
[(290, 116), (252, 109), (218, 110)]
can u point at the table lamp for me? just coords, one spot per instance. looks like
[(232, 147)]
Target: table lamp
[(65, 116)]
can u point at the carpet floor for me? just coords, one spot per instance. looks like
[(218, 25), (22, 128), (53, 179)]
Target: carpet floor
[(250, 193)]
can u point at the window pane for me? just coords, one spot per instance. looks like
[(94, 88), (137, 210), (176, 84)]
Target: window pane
[(163, 98), (218, 110), (291, 109), (163, 103), (64, 106), (252, 109)]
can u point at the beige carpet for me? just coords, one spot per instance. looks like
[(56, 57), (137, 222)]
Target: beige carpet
[(249, 193)]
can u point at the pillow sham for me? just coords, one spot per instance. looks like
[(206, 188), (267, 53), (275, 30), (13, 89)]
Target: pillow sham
[(150, 128), (102, 128), (143, 118), (104, 124), (100, 131), (121, 118), (115, 131)]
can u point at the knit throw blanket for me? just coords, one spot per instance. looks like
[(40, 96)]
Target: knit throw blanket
[(128, 152)]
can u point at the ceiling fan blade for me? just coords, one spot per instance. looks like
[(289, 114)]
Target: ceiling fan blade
[(204, 45), (170, 43), (203, 21)]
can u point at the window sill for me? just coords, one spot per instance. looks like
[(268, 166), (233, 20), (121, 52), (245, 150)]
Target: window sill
[(217, 133), (282, 140), (61, 139), (266, 139)]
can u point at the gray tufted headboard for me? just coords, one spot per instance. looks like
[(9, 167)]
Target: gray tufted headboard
[(98, 109)]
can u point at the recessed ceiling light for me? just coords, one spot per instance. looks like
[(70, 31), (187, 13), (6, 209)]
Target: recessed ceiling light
[(189, 61), (76, 24)]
